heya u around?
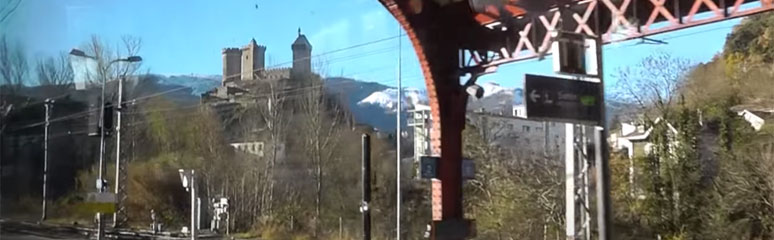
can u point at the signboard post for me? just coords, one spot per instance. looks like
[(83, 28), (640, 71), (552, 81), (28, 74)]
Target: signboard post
[(100, 202), (563, 100), (576, 102)]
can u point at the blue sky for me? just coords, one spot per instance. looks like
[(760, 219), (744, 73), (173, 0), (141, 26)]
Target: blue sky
[(186, 37)]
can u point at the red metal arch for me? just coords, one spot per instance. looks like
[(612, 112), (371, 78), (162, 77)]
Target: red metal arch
[(451, 38), (433, 35)]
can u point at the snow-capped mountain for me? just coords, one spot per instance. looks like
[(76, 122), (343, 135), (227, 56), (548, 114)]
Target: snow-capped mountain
[(370, 103), (491, 88), (198, 83), (388, 99), (496, 99)]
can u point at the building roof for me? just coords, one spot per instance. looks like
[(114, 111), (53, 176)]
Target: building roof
[(763, 114), (754, 108), (301, 41), (421, 107)]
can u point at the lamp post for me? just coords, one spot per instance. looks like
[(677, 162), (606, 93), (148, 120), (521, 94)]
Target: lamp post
[(101, 183), (78, 53), (187, 177)]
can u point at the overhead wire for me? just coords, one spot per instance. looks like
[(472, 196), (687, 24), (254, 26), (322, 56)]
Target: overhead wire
[(318, 55), (293, 92), (350, 57)]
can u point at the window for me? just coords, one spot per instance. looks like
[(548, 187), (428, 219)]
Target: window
[(525, 128)]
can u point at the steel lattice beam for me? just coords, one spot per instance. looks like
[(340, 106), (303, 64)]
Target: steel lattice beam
[(615, 20)]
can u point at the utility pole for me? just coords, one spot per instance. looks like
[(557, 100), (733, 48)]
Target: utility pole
[(193, 206), (119, 217), (49, 104), (366, 177), (398, 162), (101, 184), (602, 158), (5, 112), (569, 184), (189, 183), (101, 179)]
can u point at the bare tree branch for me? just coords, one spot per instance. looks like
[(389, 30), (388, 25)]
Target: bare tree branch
[(13, 64), (55, 71), (8, 8), (107, 65), (654, 82)]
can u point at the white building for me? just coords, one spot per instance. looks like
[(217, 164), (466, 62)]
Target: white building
[(518, 134), (254, 148), (756, 118), (420, 118), (511, 131), (634, 139), (520, 111)]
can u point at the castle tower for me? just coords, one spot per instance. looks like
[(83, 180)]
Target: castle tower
[(253, 60), (302, 56), (231, 65)]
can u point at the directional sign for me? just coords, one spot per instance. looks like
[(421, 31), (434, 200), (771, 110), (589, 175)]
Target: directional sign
[(562, 100), (429, 167), (468, 169)]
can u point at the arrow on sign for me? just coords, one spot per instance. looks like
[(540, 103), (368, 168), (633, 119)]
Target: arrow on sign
[(558, 99), (534, 96)]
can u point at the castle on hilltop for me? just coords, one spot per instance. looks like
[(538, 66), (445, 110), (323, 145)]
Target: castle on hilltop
[(248, 63), (246, 66), (246, 76)]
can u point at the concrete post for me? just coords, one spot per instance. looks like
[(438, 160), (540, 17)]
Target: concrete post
[(569, 184), (49, 106)]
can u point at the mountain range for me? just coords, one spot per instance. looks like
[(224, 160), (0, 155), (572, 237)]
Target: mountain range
[(371, 103)]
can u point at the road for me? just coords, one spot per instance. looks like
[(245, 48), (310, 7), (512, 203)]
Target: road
[(32, 231), (19, 236)]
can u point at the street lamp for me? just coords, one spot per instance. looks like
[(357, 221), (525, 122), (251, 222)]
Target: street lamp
[(79, 53), (131, 59), (101, 183)]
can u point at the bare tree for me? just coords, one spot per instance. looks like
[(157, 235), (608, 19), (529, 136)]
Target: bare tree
[(654, 83), (55, 71), (131, 47), (321, 119), (13, 64), (7, 8), (105, 68), (274, 115)]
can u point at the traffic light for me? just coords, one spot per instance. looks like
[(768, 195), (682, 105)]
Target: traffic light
[(94, 117), (108, 118), (94, 112)]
